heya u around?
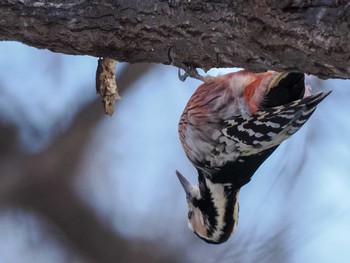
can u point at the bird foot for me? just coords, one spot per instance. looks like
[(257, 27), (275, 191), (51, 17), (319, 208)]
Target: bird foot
[(189, 72)]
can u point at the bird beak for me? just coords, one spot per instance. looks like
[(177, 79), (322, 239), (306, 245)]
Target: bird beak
[(188, 187)]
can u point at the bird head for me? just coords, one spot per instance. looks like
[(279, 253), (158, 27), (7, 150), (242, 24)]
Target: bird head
[(211, 216), (196, 220)]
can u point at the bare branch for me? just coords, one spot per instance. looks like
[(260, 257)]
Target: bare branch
[(292, 35)]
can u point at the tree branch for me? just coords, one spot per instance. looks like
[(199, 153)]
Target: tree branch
[(308, 36)]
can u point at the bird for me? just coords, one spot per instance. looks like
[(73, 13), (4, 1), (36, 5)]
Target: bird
[(229, 127)]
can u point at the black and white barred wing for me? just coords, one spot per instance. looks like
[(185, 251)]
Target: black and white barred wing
[(269, 127)]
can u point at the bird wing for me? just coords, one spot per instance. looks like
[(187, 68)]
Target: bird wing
[(268, 127), (212, 146)]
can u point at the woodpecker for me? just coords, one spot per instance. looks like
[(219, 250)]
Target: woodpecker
[(229, 127)]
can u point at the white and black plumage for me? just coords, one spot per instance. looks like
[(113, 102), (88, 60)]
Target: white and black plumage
[(229, 127)]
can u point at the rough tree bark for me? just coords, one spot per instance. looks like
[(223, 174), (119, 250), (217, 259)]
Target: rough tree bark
[(310, 36)]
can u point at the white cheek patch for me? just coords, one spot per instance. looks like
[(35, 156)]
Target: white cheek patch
[(196, 223), (201, 219), (190, 225), (220, 202)]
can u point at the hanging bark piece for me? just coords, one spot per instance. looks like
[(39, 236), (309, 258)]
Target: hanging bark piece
[(106, 84)]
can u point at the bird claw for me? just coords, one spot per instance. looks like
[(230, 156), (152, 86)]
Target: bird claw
[(182, 77), (189, 72)]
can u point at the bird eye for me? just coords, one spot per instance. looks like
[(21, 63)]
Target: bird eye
[(190, 213)]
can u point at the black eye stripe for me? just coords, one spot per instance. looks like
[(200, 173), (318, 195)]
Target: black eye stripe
[(190, 213)]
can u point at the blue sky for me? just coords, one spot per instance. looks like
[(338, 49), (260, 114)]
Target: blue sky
[(302, 188)]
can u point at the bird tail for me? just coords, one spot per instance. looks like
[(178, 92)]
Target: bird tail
[(286, 87), (310, 103)]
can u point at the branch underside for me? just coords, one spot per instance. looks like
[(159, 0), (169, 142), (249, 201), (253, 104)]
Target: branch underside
[(289, 35)]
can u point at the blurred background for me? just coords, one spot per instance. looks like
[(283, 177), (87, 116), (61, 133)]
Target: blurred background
[(79, 186)]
